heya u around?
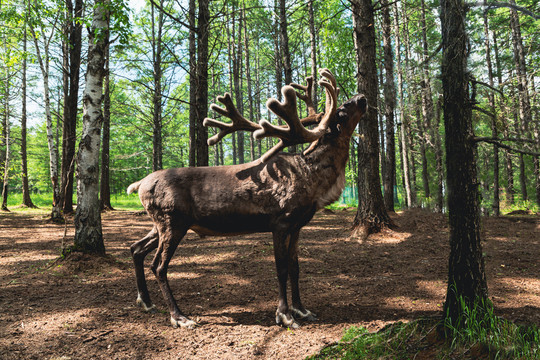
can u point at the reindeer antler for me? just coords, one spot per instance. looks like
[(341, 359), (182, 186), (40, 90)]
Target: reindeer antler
[(238, 121), (295, 132)]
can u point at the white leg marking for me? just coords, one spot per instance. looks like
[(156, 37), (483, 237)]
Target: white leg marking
[(146, 308), (281, 318), (307, 315), (184, 322)]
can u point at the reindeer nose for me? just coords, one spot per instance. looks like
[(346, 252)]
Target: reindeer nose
[(361, 102)]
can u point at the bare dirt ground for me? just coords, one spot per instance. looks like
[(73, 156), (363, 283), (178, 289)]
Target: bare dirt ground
[(84, 307)]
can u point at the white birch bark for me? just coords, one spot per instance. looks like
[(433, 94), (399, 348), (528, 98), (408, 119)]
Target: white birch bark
[(88, 230), (43, 60)]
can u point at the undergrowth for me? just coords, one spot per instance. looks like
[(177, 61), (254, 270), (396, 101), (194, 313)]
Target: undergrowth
[(474, 335)]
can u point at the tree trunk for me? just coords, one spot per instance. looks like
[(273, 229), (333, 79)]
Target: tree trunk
[(56, 214), (88, 231), (248, 81), (285, 52), (439, 198), (237, 66), (157, 141), (69, 128), (202, 82), (523, 91), (371, 215), (192, 86), (427, 102), (26, 201), (403, 127), (313, 45), (104, 184), (466, 275), (390, 101), (494, 130), (7, 139), (508, 159)]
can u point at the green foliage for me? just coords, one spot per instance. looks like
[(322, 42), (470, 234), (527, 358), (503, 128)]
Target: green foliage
[(478, 335)]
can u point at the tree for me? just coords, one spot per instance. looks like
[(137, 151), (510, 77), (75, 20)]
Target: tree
[(466, 275), (390, 104), (104, 185), (72, 62), (203, 23), (88, 231), (371, 215), (44, 64)]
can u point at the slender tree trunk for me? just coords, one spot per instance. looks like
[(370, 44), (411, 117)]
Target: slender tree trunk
[(237, 66), (27, 201), (193, 116), (248, 81), (313, 45), (157, 140), (523, 89), (88, 231), (494, 130), (7, 139), (508, 159), (202, 81), (466, 275), (43, 60), (390, 101), (71, 104), (423, 155), (427, 102), (403, 127), (371, 215), (104, 184), (285, 52), (439, 197)]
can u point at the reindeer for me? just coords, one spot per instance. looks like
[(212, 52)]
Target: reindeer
[(278, 193)]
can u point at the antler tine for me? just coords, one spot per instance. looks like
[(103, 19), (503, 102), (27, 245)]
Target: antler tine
[(330, 85), (238, 121), (307, 95)]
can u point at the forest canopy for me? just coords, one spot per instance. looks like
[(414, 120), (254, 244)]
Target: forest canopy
[(155, 53)]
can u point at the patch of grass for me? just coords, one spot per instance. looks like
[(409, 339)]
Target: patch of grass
[(521, 205), (475, 335), (43, 202)]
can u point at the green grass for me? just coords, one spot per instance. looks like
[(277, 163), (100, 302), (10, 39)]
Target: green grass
[(475, 334), (44, 202)]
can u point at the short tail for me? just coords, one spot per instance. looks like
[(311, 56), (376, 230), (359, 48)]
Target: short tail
[(133, 187)]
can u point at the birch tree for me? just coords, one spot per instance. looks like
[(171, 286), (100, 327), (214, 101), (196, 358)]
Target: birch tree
[(88, 231)]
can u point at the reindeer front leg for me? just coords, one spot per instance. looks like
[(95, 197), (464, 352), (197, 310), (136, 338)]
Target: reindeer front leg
[(298, 310), (281, 254)]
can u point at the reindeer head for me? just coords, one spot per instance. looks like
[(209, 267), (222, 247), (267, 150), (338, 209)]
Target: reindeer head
[(334, 120)]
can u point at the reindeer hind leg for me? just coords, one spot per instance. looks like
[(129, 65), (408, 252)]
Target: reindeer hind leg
[(139, 250), (169, 238)]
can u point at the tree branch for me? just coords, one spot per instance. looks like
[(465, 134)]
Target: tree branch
[(497, 5), (509, 148)]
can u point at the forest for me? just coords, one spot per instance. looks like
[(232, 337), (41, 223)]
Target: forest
[(96, 95)]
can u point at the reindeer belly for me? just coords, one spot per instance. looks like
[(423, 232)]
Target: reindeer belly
[(232, 225)]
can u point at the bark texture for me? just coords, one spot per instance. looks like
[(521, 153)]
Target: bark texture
[(371, 215), (71, 101), (466, 275), (88, 231)]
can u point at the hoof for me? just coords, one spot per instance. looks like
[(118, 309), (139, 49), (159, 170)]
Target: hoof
[(303, 315), (286, 320), (146, 308), (183, 322)]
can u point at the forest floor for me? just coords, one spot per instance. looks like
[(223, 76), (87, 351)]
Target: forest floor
[(83, 307)]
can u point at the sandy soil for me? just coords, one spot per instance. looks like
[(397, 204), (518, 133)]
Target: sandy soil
[(84, 307)]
